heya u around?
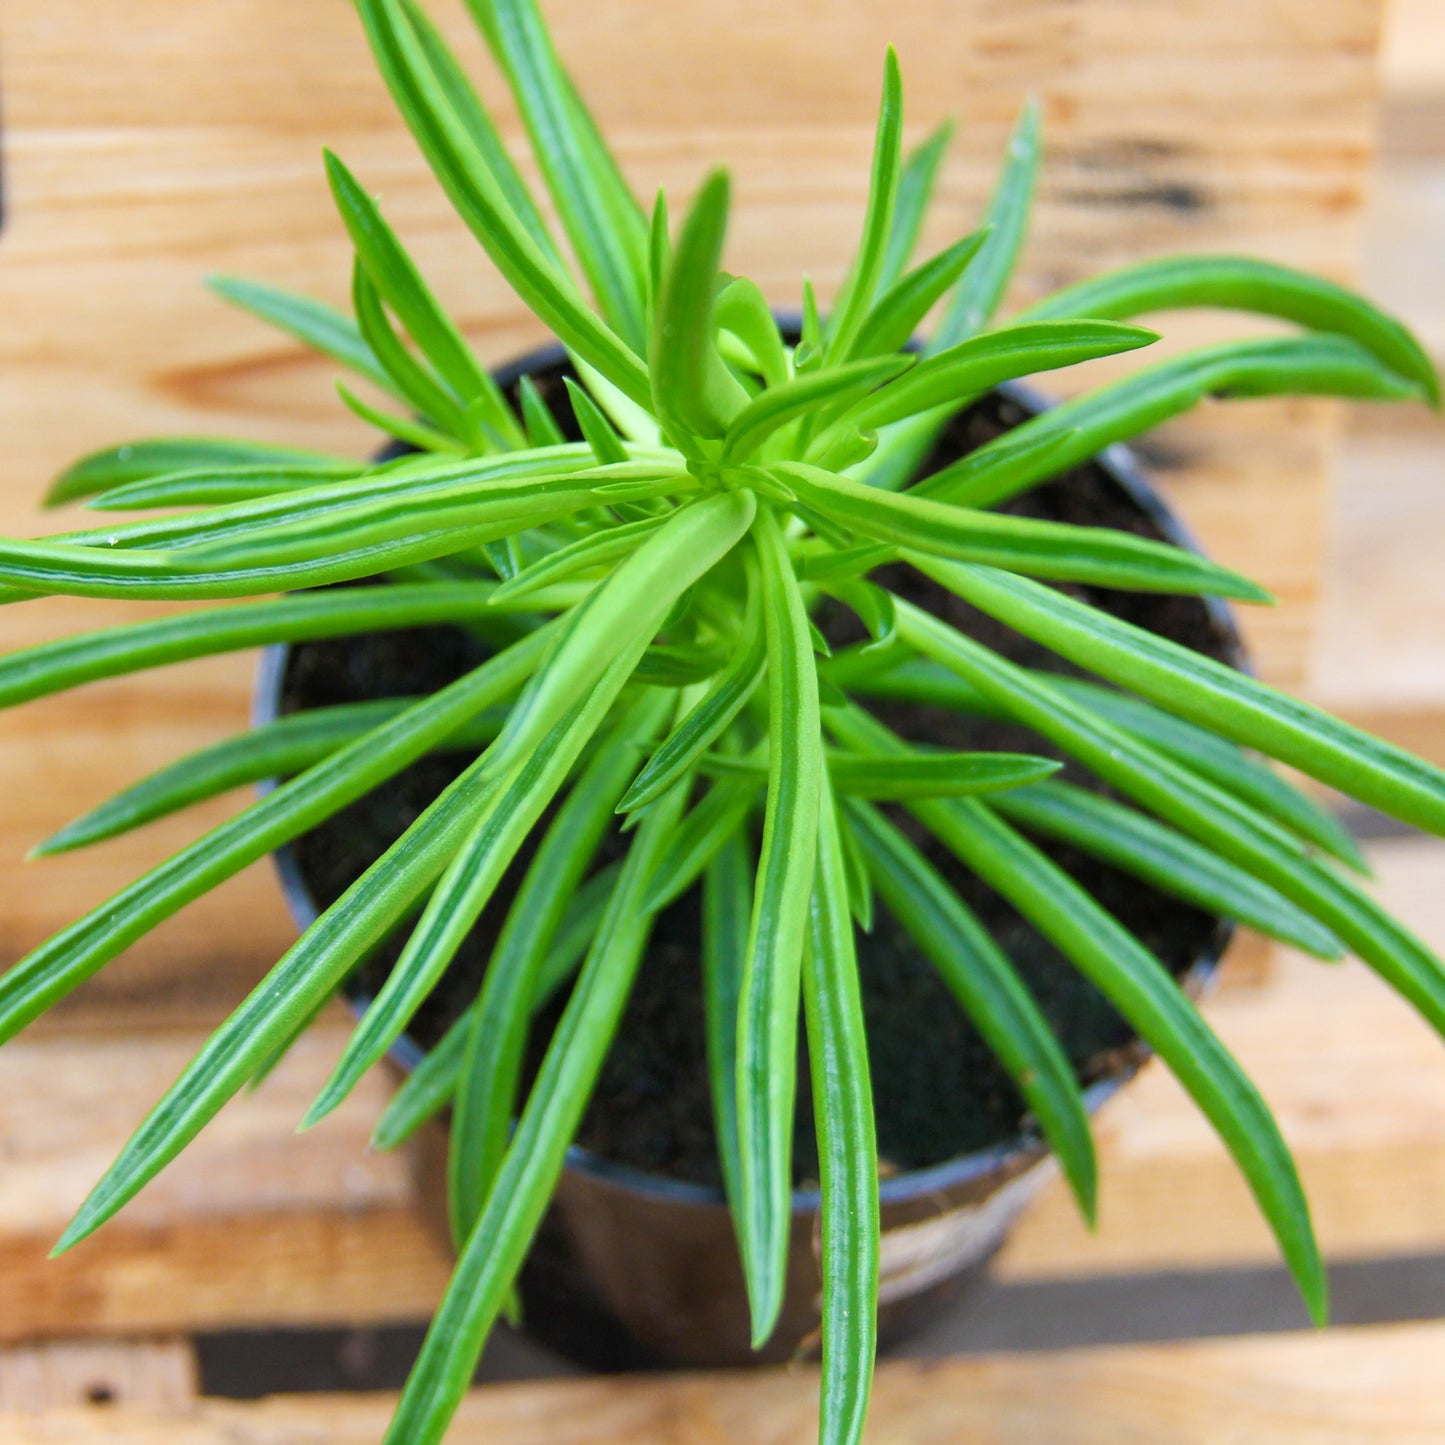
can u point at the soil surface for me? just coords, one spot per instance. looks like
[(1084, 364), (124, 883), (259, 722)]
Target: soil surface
[(938, 1091)]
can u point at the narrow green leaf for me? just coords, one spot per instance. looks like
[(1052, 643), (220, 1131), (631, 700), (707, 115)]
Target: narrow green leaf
[(768, 1011), (1166, 859), (483, 205), (726, 903), (466, 105), (743, 310), (983, 980), (74, 954), (1243, 283), (597, 549), (542, 428), (205, 487), (1224, 764), (707, 721), (487, 1088), (1063, 551), (302, 980), (600, 215), (432, 1084), (1207, 692), (861, 284), (694, 395), (855, 863), (510, 803), (847, 1144), (52, 667), (899, 312), (279, 749), (632, 602), (890, 779), (779, 406), (659, 254), (1313, 365), (410, 377), (1141, 989), (406, 429), (1217, 819), (596, 429), (154, 457), (955, 376), (916, 182), (396, 277), (313, 323), (514, 1208), (1007, 214)]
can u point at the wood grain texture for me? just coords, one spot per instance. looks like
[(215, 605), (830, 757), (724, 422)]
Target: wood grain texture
[(1379, 1385), (1233, 125), (254, 1226)]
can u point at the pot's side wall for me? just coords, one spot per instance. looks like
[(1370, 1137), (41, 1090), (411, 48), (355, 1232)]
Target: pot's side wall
[(131, 172)]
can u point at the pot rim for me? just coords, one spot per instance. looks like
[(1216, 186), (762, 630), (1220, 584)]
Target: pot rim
[(1122, 466)]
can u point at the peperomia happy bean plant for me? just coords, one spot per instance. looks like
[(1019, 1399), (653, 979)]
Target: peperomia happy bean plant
[(652, 591)]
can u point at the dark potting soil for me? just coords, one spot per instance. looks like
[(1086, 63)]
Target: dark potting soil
[(938, 1091)]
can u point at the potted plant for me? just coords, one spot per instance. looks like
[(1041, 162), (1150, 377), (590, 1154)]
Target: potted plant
[(697, 613)]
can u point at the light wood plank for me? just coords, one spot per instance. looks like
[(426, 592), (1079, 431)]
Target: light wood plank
[(1213, 124), (1341, 1388), (158, 1374)]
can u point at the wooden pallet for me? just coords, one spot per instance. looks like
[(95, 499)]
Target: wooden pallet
[(257, 1227)]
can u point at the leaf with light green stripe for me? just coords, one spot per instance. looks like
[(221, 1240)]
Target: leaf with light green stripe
[(432, 1084), (151, 458), (313, 323), (278, 749), (396, 277), (412, 379), (1168, 860), (1314, 365), (601, 216), (489, 1262), (52, 667), (955, 376), (204, 487), (721, 813), (1208, 693), (727, 886), (768, 1012), (899, 312), (1243, 283), (1139, 986), (779, 406), (597, 549), (861, 284), (1007, 216), (891, 779), (1217, 819), (706, 722), (75, 953), (1062, 551), (290, 993), (486, 1092), (988, 989), (916, 182), (693, 393), (483, 205), (847, 1144)]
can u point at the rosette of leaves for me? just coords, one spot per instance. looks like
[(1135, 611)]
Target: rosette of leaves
[(648, 592)]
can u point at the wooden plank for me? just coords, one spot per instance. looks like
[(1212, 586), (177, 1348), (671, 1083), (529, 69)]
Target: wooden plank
[(154, 1373), (1213, 124), (1339, 1388), (253, 1225)]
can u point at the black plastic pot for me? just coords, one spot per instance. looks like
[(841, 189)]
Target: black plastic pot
[(631, 1269)]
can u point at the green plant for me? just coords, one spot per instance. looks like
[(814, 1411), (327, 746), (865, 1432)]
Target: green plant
[(652, 587)]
